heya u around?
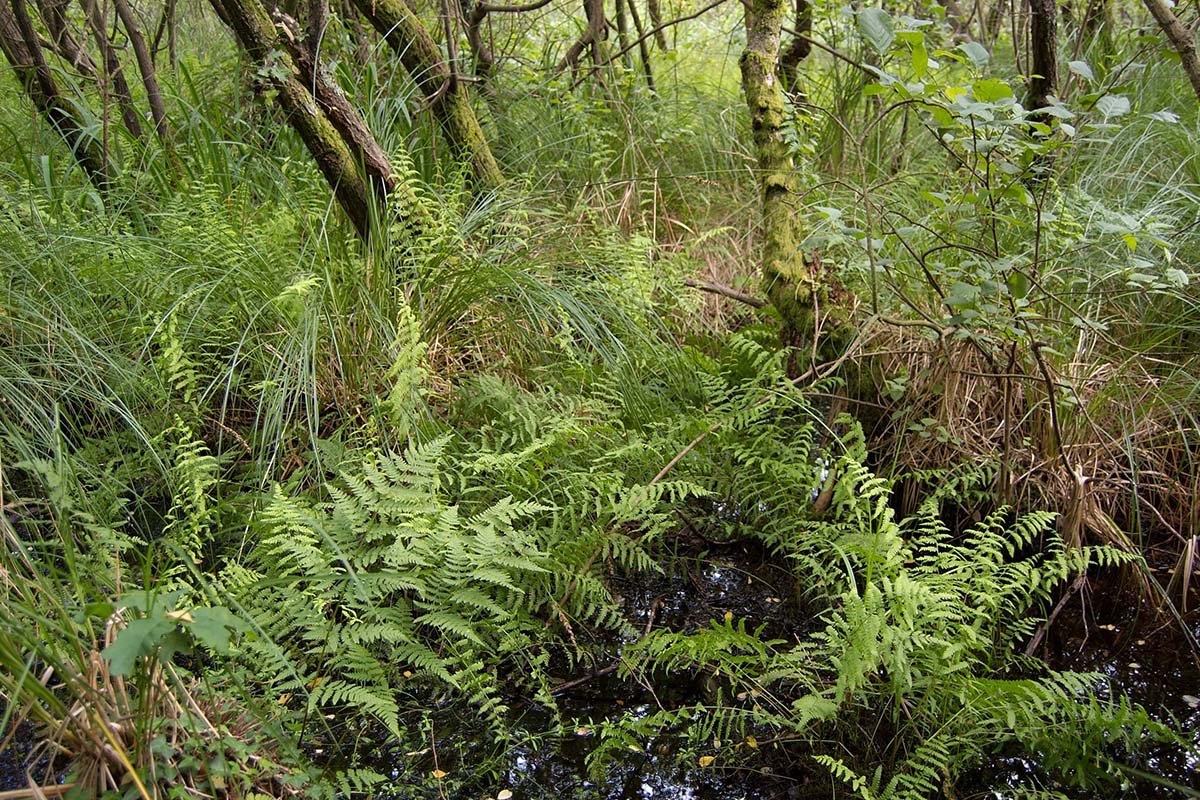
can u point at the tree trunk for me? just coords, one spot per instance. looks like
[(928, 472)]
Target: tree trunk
[(158, 110), (112, 67), (598, 28), (1043, 67), (993, 21), (19, 42), (448, 100), (623, 33), (799, 49), (63, 42), (656, 22), (643, 46), (257, 35), (1181, 39), (785, 271)]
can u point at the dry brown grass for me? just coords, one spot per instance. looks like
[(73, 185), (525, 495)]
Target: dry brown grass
[(1101, 442)]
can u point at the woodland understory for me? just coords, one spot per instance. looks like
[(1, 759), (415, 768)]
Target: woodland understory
[(599, 399)]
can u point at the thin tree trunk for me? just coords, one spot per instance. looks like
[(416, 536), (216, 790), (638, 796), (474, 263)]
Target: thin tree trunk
[(799, 49), (643, 46), (622, 18), (1043, 67), (54, 16), (19, 42), (158, 110), (785, 270), (448, 100), (166, 23), (993, 21), (484, 59), (598, 28), (112, 67), (656, 22), (347, 121), (1181, 39)]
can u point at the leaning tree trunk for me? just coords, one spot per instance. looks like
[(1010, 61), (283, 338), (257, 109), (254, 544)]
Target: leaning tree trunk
[(335, 159), (1182, 39), (112, 67), (20, 44), (158, 109), (62, 40), (1043, 67), (448, 99)]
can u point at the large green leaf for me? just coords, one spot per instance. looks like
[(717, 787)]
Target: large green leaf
[(876, 28), (140, 638)]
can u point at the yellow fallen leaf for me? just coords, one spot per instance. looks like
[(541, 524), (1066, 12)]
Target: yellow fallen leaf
[(505, 794), (706, 761), (180, 615), (284, 699), (751, 742), (439, 773)]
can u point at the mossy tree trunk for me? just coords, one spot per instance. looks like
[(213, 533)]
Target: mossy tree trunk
[(785, 271), (281, 77), (447, 96)]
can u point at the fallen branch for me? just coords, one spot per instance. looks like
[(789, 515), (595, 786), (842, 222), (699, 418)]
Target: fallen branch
[(726, 291)]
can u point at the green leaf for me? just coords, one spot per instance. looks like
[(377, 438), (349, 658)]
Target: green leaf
[(1018, 284), (875, 26), (212, 627), (140, 638), (961, 294), (920, 60), (1112, 106), (102, 610), (976, 52), (1177, 277), (990, 90), (1081, 69)]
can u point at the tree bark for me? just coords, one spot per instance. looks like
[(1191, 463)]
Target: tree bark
[(158, 109), (54, 16), (643, 46), (1181, 39), (448, 100), (112, 67), (598, 28), (257, 35), (19, 42), (622, 18), (993, 21), (1043, 67), (799, 49), (656, 21), (785, 271)]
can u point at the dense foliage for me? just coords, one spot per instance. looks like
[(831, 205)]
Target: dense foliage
[(285, 488)]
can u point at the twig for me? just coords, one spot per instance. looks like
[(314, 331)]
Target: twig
[(613, 667), (725, 291), (53, 790), (1036, 642)]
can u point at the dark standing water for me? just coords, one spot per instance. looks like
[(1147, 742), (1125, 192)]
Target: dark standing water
[(1112, 633)]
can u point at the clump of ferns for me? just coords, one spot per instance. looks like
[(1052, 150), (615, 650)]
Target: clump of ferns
[(422, 597), (922, 637)]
